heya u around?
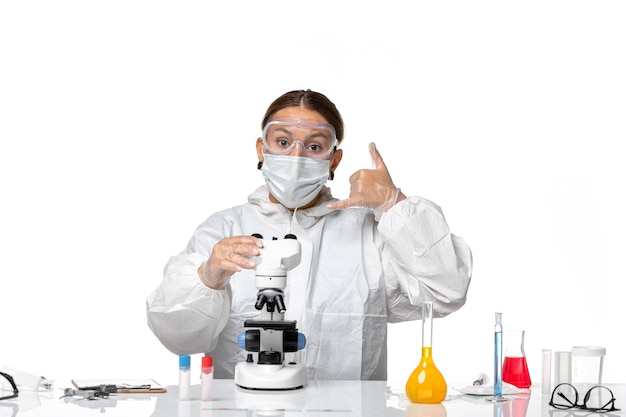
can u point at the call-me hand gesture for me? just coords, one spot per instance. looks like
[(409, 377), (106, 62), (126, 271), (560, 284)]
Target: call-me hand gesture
[(371, 188)]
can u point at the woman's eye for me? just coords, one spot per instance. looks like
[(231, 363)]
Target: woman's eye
[(283, 143)]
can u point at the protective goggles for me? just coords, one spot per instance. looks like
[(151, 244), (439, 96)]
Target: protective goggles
[(316, 139)]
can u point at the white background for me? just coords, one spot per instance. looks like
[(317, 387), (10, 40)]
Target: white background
[(124, 124)]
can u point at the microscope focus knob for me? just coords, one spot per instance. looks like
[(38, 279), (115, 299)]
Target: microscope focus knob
[(249, 340), (293, 341)]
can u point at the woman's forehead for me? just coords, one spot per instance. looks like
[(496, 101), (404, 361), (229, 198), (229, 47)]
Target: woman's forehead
[(299, 112)]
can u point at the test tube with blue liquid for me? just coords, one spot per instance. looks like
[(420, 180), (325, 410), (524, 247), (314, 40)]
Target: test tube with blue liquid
[(497, 368), (497, 361)]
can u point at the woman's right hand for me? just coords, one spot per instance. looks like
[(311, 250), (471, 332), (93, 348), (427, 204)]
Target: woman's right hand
[(230, 255)]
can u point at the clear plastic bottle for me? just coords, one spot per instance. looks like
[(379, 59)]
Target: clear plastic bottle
[(206, 379), (426, 384), (184, 377)]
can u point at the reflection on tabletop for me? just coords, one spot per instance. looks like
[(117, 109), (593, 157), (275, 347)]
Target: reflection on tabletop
[(330, 398), (318, 398), (337, 398)]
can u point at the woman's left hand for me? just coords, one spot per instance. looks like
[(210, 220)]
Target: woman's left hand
[(372, 188)]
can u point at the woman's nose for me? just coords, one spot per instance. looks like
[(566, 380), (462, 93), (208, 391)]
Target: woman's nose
[(298, 149)]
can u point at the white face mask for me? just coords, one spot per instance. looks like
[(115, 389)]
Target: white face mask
[(294, 180)]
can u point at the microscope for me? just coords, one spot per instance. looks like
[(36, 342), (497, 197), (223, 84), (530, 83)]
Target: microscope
[(271, 336)]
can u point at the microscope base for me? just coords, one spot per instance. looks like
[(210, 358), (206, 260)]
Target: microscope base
[(270, 377)]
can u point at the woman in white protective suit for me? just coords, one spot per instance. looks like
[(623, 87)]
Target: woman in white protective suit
[(366, 261)]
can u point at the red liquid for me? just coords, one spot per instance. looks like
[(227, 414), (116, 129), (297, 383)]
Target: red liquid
[(515, 371)]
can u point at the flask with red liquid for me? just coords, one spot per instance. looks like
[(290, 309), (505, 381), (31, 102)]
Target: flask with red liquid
[(515, 367)]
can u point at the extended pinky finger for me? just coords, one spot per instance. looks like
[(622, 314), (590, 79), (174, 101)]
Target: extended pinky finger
[(339, 205)]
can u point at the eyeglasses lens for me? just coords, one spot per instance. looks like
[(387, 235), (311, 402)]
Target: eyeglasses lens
[(598, 398), (564, 396), (7, 384)]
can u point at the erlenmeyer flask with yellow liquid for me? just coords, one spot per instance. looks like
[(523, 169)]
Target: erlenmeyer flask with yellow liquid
[(426, 385)]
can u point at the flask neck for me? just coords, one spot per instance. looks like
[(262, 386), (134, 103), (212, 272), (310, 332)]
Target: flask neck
[(514, 340), (427, 352), (427, 325)]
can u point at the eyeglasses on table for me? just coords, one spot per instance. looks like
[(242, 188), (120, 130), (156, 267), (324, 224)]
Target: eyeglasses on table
[(598, 399)]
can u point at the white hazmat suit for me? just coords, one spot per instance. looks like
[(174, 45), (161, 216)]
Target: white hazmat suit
[(356, 275)]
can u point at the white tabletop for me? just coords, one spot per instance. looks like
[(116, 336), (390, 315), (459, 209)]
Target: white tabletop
[(318, 398)]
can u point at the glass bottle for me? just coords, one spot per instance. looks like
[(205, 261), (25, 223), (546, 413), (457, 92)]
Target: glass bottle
[(426, 384), (515, 367)]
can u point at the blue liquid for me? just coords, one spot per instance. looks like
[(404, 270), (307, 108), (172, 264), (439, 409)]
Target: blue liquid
[(497, 377)]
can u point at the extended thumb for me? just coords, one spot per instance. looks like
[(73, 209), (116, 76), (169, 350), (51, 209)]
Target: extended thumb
[(377, 160)]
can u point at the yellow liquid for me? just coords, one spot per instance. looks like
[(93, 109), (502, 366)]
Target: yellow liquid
[(426, 384)]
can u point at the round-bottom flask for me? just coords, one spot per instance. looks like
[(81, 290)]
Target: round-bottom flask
[(426, 384)]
